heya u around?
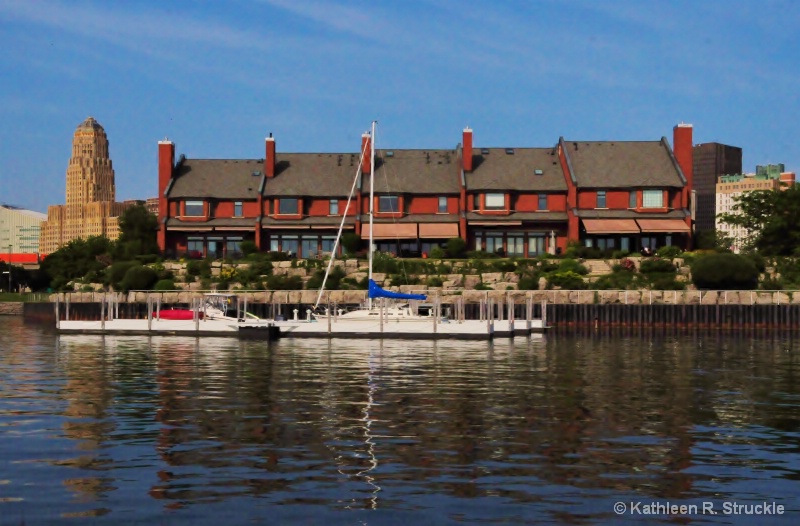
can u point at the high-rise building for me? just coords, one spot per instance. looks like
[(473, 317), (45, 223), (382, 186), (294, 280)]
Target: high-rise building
[(711, 160), (91, 209), (19, 234), (730, 187)]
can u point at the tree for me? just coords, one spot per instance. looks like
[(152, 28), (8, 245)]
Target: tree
[(712, 240), (138, 233), (77, 259), (771, 218)]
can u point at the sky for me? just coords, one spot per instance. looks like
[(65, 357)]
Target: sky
[(217, 77)]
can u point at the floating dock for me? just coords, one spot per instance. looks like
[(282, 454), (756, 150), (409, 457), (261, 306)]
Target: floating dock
[(267, 330)]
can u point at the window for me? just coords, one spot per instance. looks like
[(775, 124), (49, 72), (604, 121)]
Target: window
[(601, 199), (333, 207), (193, 208), (388, 203), (652, 199), (536, 245), (233, 247), (442, 205), (287, 206), (237, 209), (495, 202), (542, 201), (632, 199), (194, 247), (515, 245)]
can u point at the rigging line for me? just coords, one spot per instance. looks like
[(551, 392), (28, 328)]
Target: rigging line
[(394, 218), (339, 233)]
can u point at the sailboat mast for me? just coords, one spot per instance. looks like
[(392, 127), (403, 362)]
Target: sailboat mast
[(371, 200)]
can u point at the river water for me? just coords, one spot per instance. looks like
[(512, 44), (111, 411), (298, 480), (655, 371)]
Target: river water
[(178, 430)]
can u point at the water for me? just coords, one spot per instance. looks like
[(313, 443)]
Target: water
[(173, 430)]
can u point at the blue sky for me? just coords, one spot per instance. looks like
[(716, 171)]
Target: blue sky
[(216, 77)]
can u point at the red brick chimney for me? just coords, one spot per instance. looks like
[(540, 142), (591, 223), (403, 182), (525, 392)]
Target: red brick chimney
[(683, 150), (466, 149), (166, 160), (366, 150), (269, 160)]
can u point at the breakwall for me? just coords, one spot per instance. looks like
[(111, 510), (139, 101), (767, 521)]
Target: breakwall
[(11, 308)]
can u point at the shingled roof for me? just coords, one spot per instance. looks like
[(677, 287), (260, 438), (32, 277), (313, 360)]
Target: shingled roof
[(415, 171), (217, 178), (607, 164), (516, 169), (313, 174)]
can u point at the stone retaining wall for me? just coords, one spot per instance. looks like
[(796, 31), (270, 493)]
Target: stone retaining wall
[(11, 309), (565, 297)]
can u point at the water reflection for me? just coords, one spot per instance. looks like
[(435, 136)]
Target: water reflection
[(556, 429)]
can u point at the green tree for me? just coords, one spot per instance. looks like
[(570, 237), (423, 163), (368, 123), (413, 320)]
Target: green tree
[(138, 233), (80, 258), (771, 218)]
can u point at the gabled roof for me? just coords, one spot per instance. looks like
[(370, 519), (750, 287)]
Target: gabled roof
[(312, 174), (499, 169), (415, 171), (217, 178), (610, 164)]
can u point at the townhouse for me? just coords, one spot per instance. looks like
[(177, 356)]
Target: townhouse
[(519, 201)]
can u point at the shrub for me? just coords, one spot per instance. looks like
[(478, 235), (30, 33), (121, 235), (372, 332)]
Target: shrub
[(654, 265), (403, 279), (567, 280), (139, 278), (116, 272), (571, 265), (456, 247), (504, 266), (248, 247), (198, 267), (434, 281), (284, 283), (165, 284), (334, 279), (619, 254), (758, 260), (437, 253), (664, 281), (724, 271), (351, 242), (669, 252), (528, 283), (616, 281), (480, 254)]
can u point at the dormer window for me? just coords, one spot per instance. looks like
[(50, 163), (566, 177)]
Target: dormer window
[(388, 203), (238, 209), (652, 199), (193, 208), (287, 206), (495, 202)]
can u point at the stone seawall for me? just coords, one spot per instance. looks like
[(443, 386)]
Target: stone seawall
[(557, 297), (11, 308)]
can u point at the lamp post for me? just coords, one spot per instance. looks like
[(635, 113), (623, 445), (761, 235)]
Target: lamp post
[(9, 268)]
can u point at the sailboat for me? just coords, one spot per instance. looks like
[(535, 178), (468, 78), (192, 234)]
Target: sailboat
[(397, 311)]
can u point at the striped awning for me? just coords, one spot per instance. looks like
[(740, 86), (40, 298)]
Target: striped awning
[(610, 226), (663, 225), (390, 231), (438, 230)]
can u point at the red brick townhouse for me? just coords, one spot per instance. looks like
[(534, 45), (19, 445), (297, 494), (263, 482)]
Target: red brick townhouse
[(521, 201), (629, 195), (515, 199)]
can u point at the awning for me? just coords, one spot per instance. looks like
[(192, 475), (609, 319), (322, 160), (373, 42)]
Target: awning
[(189, 228), (663, 225), (438, 230), (495, 223), (610, 226), (390, 231)]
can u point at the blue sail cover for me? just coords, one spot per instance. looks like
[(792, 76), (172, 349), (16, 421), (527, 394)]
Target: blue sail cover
[(376, 292)]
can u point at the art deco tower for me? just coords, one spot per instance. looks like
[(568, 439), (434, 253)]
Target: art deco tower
[(91, 209)]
